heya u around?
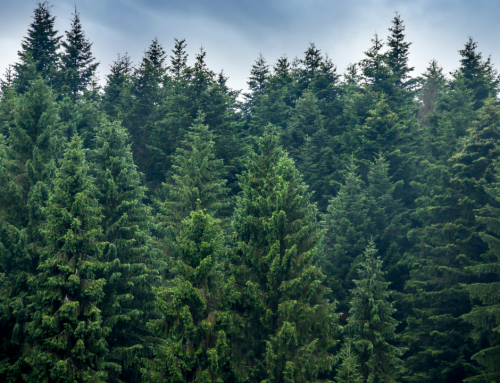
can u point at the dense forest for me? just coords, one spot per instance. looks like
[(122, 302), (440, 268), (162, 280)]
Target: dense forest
[(160, 226)]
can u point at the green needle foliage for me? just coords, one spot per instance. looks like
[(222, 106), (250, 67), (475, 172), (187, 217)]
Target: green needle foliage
[(197, 178), (138, 266), (370, 324), (195, 346), (348, 229), (28, 165), (77, 61), (485, 316), (350, 367), (66, 334), (39, 55), (130, 252), (289, 326)]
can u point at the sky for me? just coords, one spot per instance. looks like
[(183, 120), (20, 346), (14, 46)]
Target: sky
[(235, 32)]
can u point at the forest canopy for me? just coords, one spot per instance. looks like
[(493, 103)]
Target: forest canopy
[(320, 227)]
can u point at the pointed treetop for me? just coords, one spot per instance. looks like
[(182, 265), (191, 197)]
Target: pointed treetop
[(259, 74), (77, 60), (42, 41), (179, 58), (399, 51)]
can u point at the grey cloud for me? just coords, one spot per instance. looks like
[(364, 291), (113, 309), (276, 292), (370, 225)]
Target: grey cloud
[(234, 32)]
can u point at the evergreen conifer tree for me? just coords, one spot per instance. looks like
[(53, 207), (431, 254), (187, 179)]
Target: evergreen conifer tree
[(376, 73), (196, 178), (66, 333), (349, 369), (147, 91), (397, 56), (117, 92), (485, 315), (77, 62), (370, 324), (478, 74), (448, 241), (389, 217), (348, 230), (127, 222), (196, 348), (288, 326), (432, 88), (39, 48), (28, 165)]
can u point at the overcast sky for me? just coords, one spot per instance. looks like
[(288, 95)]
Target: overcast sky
[(234, 32)]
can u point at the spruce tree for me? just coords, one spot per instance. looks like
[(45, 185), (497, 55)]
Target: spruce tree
[(288, 328), (389, 217), (117, 92), (370, 324), (349, 227), (478, 74), (127, 223), (178, 59), (39, 48), (433, 84), (27, 167), (485, 293), (196, 178), (397, 56), (485, 315), (447, 240), (147, 92), (306, 120), (376, 73), (66, 333), (195, 348), (77, 62)]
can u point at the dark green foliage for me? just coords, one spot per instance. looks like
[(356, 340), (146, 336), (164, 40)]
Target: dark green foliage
[(117, 92), (479, 76), (349, 228), (126, 268), (447, 242), (66, 335), (398, 54), (126, 224), (77, 62), (39, 54), (196, 180), (485, 316), (195, 346), (370, 324), (27, 168), (289, 327)]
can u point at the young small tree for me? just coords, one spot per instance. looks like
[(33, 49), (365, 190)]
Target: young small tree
[(350, 367)]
